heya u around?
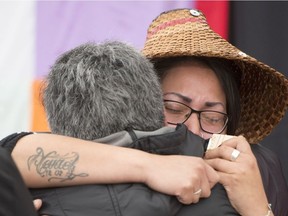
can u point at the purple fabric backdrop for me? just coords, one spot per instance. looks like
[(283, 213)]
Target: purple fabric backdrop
[(63, 25)]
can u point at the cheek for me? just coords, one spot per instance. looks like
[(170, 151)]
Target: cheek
[(206, 135), (165, 122), (225, 131)]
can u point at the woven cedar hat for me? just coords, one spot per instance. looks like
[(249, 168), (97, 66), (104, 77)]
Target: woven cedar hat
[(263, 90)]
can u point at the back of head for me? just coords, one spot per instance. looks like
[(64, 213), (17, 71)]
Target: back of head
[(97, 89)]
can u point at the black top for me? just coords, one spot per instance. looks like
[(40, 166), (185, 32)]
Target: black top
[(15, 198)]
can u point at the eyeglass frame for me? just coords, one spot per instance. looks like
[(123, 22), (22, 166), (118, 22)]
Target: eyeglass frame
[(198, 112)]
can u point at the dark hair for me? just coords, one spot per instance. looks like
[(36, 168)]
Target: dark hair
[(225, 72), (95, 90)]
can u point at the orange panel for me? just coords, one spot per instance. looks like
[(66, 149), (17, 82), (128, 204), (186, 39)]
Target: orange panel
[(39, 122)]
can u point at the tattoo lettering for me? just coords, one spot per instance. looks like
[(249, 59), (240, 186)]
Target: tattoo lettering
[(54, 166)]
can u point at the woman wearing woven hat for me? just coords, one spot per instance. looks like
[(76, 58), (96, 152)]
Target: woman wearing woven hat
[(263, 99), (202, 73)]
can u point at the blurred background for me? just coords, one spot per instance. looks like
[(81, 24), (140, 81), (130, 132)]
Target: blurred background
[(34, 33)]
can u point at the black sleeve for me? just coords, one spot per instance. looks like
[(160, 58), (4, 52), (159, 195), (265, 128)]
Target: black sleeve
[(10, 141), (273, 179), (15, 198)]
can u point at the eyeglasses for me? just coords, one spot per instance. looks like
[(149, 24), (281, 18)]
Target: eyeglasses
[(210, 121)]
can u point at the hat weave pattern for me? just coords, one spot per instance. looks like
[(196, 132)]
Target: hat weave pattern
[(263, 90)]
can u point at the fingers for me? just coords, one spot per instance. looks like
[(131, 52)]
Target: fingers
[(193, 198), (232, 161), (239, 143), (234, 155), (193, 192), (231, 150), (181, 176), (202, 191), (201, 186), (221, 165), (212, 176), (37, 204), (224, 152)]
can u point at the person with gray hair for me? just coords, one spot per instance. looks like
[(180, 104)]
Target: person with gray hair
[(94, 90), (108, 91)]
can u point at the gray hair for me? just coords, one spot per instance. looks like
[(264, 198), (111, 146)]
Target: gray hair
[(95, 90)]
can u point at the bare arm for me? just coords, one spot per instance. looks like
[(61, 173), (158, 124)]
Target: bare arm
[(47, 160), (52, 160)]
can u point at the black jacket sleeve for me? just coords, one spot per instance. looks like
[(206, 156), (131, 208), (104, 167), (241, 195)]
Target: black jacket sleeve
[(14, 197), (10, 141)]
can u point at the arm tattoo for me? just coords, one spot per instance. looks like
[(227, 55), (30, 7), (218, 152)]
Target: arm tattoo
[(55, 166)]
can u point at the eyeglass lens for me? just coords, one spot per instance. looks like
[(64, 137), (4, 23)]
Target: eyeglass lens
[(210, 121)]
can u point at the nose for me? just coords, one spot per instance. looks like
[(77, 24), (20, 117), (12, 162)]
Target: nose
[(193, 124)]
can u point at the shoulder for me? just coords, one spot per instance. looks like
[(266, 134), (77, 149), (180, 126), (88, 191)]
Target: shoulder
[(268, 162), (261, 151), (273, 178), (266, 158)]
